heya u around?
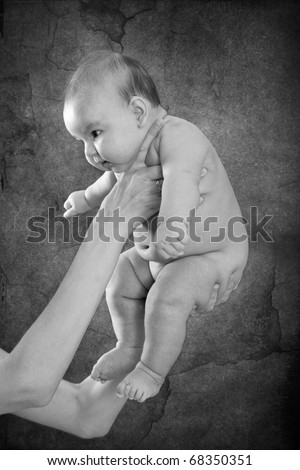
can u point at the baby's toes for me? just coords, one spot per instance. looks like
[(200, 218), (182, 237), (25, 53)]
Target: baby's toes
[(138, 395), (95, 375), (121, 389), (131, 392)]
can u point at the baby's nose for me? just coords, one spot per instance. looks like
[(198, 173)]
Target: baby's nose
[(91, 153)]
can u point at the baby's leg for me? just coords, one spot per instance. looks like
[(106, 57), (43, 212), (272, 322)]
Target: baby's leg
[(125, 295), (179, 286)]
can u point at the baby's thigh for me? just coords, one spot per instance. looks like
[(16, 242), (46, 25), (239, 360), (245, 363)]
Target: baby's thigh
[(131, 277), (188, 282)]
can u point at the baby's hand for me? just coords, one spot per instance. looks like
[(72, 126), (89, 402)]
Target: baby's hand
[(171, 241), (76, 204)]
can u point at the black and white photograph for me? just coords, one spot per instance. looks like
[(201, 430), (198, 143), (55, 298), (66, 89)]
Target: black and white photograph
[(149, 169)]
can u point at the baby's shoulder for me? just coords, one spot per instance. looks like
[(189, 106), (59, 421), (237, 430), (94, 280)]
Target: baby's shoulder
[(178, 131)]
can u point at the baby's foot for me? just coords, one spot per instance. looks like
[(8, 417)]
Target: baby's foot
[(115, 363), (140, 384)]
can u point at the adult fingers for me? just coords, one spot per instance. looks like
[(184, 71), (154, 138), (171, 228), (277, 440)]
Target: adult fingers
[(213, 298), (151, 134), (229, 288), (152, 172), (137, 182), (232, 283)]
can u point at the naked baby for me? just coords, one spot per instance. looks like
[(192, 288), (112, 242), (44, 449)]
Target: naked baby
[(111, 102)]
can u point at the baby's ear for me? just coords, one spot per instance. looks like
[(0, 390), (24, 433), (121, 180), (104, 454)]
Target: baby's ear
[(140, 110)]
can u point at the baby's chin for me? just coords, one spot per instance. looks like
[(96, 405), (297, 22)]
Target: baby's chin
[(106, 166)]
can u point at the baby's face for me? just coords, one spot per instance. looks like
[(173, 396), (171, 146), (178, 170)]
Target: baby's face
[(107, 126)]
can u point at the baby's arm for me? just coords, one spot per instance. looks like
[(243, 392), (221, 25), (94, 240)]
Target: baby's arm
[(183, 149), (90, 198)]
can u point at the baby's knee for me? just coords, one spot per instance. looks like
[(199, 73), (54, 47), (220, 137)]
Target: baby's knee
[(175, 300), (160, 301)]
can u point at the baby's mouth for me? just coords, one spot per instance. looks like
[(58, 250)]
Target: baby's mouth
[(103, 163)]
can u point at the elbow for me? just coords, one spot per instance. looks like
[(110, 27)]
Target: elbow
[(87, 429), (35, 395), (36, 398), (87, 433), (43, 396), (26, 389)]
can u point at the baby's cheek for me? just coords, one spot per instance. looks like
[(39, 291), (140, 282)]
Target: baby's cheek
[(109, 150)]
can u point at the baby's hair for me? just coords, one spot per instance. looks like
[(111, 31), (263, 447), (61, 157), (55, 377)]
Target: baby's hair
[(128, 75)]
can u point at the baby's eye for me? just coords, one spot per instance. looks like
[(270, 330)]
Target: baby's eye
[(95, 134)]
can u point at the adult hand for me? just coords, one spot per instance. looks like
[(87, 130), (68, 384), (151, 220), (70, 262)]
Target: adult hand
[(221, 292), (137, 193)]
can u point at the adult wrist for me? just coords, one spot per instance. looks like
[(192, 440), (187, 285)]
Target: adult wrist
[(109, 226)]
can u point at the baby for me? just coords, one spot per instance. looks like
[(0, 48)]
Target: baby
[(111, 102)]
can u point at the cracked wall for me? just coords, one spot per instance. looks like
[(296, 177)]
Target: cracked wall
[(232, 70)]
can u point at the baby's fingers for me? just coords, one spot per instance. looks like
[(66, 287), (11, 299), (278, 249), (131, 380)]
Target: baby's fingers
[(185, 238), (180, 233), (67, 204), (70, 213), (178, 246), (152, 133), (168, 251)]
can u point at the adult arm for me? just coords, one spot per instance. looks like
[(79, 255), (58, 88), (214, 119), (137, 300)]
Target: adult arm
[(31, 373), (87, 409)]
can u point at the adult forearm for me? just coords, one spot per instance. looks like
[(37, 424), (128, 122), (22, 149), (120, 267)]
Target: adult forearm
[(30, 375), (87, 409), (42, 356)]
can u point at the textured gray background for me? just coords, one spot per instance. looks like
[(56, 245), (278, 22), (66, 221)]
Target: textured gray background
[(232, 69)]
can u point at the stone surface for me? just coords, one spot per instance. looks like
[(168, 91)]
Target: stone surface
[(229, 407), (231, 68)]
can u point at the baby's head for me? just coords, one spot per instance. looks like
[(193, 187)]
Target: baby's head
[(110, 103)]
